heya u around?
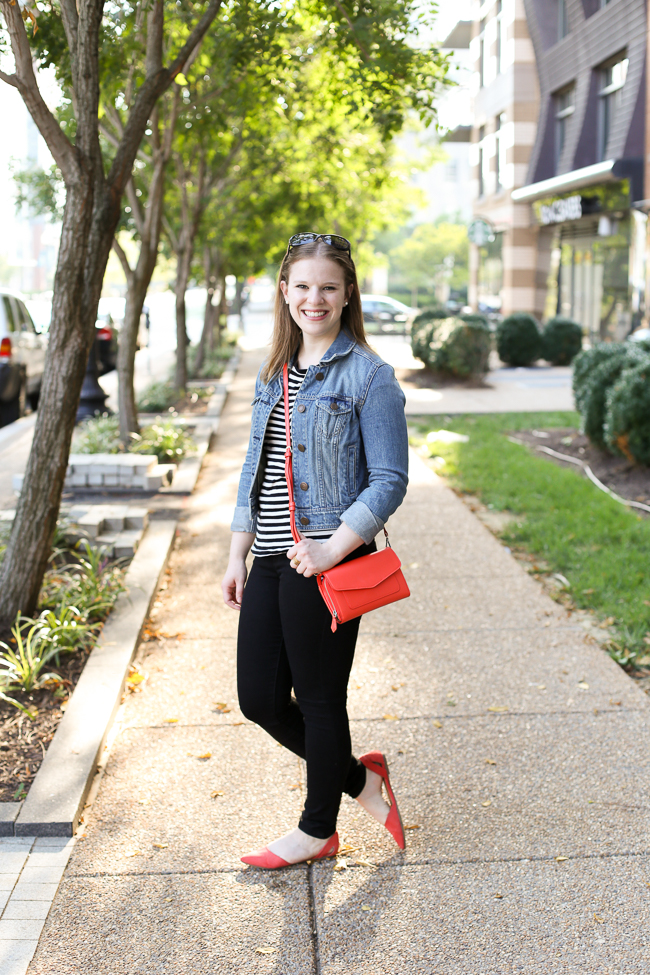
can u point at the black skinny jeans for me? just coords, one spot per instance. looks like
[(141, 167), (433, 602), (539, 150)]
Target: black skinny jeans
[(285, 640)]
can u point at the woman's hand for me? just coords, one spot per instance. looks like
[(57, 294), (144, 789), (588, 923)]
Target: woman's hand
[(233, 582), (314, 556)]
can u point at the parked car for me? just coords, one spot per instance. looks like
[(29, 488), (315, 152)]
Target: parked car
[(22, 358), (385, 315), (639, 335)]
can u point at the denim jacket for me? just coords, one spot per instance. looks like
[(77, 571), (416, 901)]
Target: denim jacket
[(349, 444)]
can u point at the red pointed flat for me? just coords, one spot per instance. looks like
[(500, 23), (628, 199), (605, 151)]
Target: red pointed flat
[(271, 861), (376, 762)]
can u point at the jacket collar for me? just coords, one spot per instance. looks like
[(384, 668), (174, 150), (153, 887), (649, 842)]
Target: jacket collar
[(341, 346)]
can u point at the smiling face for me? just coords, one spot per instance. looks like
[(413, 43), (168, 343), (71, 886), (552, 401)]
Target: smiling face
[(316, 294)]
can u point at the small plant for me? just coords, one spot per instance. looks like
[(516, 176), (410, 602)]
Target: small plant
[(627, 420), (561, 341), (65, 628), (519, 342), (98, 435), (159, 397), (24, 666), (91, 585), (168, 441), (595, 389), (586, 362)]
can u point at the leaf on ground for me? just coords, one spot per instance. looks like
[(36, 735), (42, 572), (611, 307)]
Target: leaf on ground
[(216, 794), (561, 859), (222, 707), (451, 702), (161, 846), (346, 848), (499, 897), (341, 864), (488, 802), (391, 717), (583, 685), (499, 708), (413, 826), (364, 863), (490, 761), (144, 801), (171, 720), (436, 723), (600, 920), (366, 907), (204, 757), (296, 785), (133, 853), (607, 622), (396, 687), (265, 951)]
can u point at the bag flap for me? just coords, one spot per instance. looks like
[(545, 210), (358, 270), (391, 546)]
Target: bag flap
[(373, 570)]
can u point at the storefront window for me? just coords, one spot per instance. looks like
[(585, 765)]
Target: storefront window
[(593, 278), (490, 275)]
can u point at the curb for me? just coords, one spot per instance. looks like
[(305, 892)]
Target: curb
[(56, 798)]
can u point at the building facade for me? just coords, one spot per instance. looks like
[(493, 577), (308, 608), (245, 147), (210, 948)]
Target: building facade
[(505, 109), (584, 186)]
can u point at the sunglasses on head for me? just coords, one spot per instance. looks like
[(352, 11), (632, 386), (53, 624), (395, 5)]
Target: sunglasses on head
[(332, 239)]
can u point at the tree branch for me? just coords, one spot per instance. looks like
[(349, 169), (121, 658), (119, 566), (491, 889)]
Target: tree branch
[(136, 209), (352, 30), (147, 96), (24, 80), (124, 261)]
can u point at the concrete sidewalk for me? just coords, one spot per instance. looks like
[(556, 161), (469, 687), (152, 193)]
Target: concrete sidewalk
[(519, 754)]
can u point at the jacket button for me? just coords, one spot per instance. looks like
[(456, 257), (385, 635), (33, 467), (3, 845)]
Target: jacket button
[(320, 375), (301, 448), (304, 521), (304, 486), (335, 406), (302, 408)]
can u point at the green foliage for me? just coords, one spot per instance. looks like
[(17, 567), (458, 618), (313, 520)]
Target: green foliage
[(561, 340), (598, 544), (433, 254), (97, 435), (214, 362), (91, 584), (423, 331), (65, 629), (596, 385), (169, 441), (519, 342), (465, 353), (40, 191), (627, 423), (453, 345), (585, 363), (24, 666), (158, 397)]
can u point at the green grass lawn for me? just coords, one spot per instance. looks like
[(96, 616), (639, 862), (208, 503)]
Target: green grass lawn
[(601, 547)]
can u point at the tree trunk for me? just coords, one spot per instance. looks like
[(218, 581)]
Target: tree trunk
[(88, 224), (126, 350), (206, 345), (222, 318), (182, 279)]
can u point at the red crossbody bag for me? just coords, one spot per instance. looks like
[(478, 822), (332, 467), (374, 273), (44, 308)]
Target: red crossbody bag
[(355, 587)]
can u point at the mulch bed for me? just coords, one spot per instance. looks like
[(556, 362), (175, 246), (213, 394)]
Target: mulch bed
[(426, 379), (23, 741), (629, 481)]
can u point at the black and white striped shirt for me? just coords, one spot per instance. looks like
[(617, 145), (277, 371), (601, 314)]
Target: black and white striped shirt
[(273, 522)]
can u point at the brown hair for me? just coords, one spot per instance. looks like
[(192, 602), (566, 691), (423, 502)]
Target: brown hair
[(285, 340)]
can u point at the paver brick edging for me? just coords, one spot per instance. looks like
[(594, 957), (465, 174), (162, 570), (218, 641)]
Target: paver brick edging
[(57, 795)]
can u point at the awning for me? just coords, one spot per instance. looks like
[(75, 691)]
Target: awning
[(602, 172)]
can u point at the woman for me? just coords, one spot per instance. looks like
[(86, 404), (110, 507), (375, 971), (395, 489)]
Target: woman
[(349, 445)]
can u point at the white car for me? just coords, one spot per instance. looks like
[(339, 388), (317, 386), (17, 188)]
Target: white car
[(383, 314), (22, 357), (640, 335)]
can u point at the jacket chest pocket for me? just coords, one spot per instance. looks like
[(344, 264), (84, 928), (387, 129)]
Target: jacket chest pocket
[(332, 416)]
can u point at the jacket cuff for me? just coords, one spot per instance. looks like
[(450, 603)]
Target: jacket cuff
[(242, 521), (361, 520)]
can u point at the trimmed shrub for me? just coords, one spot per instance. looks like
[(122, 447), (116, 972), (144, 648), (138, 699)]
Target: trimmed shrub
[(595, 397), (466, 351), (423, 330), (519, 342), (627, 423), (585, 363), (561, 340)]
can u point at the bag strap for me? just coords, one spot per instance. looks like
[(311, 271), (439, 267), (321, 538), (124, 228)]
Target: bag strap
[(288, 463)]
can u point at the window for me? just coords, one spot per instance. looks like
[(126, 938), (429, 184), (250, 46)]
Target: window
[(9, 314), (500, 152), (564, 109), (499, 39), (481, 162), (612, 80), (562, 20), (451, 171), (481, 56)]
